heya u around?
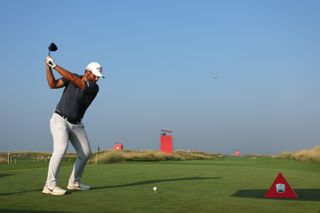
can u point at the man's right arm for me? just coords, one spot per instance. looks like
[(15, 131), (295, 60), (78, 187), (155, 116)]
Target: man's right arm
[(76, 80), (52, 82)]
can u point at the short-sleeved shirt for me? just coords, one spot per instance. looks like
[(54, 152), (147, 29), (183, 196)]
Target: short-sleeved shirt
[(75, 101)]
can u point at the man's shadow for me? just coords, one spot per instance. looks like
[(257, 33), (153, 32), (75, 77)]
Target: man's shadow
[(196, 178), (125, 184), (5, 175)]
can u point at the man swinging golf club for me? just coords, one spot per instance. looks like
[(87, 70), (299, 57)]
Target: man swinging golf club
[(65, 123)]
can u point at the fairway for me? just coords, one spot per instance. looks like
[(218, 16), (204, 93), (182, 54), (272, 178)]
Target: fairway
[(224, 185)]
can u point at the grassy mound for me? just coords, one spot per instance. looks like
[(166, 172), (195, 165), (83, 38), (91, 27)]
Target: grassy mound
[(307, 155), (110, 156)]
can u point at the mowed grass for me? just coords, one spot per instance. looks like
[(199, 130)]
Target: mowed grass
[(224, 185)]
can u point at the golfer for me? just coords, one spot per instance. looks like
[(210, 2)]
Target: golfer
[(65, 123)]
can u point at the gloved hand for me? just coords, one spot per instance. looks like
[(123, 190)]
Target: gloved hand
[(50, 62)]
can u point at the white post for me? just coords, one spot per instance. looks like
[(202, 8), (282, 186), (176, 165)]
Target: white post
[(8, 158)]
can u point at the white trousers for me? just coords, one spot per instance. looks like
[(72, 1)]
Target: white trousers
[(62, 132)]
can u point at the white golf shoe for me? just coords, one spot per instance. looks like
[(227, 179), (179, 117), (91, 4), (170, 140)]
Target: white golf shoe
[(78, 186), (53, 190)]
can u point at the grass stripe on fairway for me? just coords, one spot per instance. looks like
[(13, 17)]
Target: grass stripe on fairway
[(224, 185)]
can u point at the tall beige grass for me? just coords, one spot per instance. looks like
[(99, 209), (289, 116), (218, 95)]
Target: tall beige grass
[(107, 157), (3, 160), (110, 156), (36, 156), (307, 155)]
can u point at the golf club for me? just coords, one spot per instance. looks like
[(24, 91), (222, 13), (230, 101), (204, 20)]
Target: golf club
[(52, 47)]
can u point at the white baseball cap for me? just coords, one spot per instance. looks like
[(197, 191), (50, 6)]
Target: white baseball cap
[(95, 68)]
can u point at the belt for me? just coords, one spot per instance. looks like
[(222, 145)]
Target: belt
[(70, 120)]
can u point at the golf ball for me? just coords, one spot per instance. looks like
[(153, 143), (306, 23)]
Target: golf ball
[(154, 188)]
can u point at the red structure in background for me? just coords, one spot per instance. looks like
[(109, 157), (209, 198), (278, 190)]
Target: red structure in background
[(166, 141), (118, 147), (237, 153)]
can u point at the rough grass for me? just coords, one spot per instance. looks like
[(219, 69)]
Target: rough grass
[(35, 156), (307, 155), (110, 156), (3, 159)]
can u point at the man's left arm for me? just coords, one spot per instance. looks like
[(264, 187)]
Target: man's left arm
[(71, 77)]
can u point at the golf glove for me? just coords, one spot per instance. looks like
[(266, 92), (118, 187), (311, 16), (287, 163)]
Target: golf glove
[(50, 62)]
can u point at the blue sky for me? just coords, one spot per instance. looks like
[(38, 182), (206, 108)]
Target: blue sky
[(223, 75)]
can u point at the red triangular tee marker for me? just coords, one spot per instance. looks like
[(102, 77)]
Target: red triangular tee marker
[(280, 188)]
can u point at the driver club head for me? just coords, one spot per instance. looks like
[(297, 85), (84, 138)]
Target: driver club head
[(52, 47)]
